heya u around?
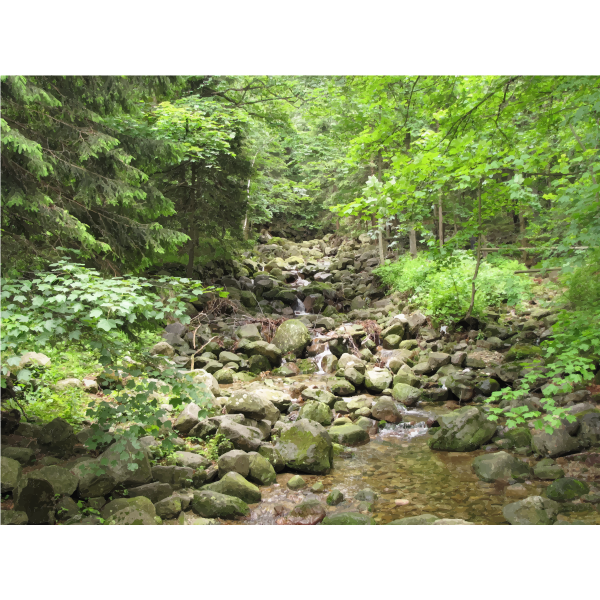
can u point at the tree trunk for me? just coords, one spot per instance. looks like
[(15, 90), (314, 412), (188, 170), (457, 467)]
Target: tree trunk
[(440, 222), (473, 290), (412, 240), (189, 270)]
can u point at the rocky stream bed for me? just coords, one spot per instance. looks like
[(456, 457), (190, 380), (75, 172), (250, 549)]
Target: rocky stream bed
[(334, 405)]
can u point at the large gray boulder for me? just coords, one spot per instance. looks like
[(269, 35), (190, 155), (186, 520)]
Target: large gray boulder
[(306, 447), (191, 459), (249, 332), (119, 468), (463, 430), (242, 437), (316, 411), (63, 481), (319, 395), (292, 336), (57, 438), (500, 465), (10, 474), (211, 504), (377, 380), (349, 435), (251, 405), (261, 470), (233, 484), (236, 461), (406, 394), (385, 410), (187, 419), (129, 511), (155, 491), (557, 443), (534, 510)]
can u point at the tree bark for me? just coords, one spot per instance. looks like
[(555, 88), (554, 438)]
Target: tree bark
[(189, 270), (440, 222), (412, 240), (473, 290)]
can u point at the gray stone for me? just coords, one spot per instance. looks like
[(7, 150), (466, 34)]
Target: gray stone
[(306, 447), (534, 510), (296, 483), (10, 474), (463, 430), (406, 394), (243, 438), (500, 465), (187, 419), (385, 410), (555, 444), (316, 411), (191, 459), (210, 504), (118, 468), (233, 484), (377, 380), (176, 477), (236, 461), (155, 491), (57, 438), (36, 498)]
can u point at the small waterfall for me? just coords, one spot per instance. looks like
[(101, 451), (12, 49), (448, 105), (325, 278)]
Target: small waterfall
[(298, 307), (299, 282), (386, 355), (319, 360)]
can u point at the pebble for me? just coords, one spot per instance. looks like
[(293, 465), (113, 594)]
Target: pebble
[(401, 502)]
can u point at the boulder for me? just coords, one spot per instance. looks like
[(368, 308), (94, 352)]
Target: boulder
[(335, 497), (57, 438), (242, 437), (36, 498), (319, 395), (296, 483), (558, 443), (233, 484), (176, 477), (117, 467), (187, 419), (191, 459), (236, 461), (13, 517), (155, 491), (349, 435), (406, 394), (63, 482), (385, 410), (424, 519), (377, 380), (522, 353), (280, 400), (210, 504), (168, 508), (261, 470), (463, 430), (10, 474), (306, 447), (534, 510), (252, 406), (162, 349), (201, 376), (129, 511), (406, 378), (309, 512), (566, 489), (341, 387), (500, 465), (316, 411), (249, 332), (292, 336), (274, 457), (349, 518), (94, 479)]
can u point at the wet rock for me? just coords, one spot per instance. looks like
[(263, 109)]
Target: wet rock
[(377, 380), (500, 465), (57, 438), (261, 471), (338, 347), (349, 518), (242, 437), (452, 522), (36, 498), (296, 483), (349, 435), (406, 394), (233, 484), (462, 386), (13, 517), (566, 489), (463, 430), (335, 497), (236, 461), (306, 447), (418, 520), (63, 482), (534, 510), (385, 410), (366, 495), (555, 444), (309, 512)]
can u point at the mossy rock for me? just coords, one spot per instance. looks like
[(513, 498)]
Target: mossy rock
[(522, 352), (566, 488), (292, 336), (349, 518), (463, 430), (418, 520), (519, 437), (349, 435)]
